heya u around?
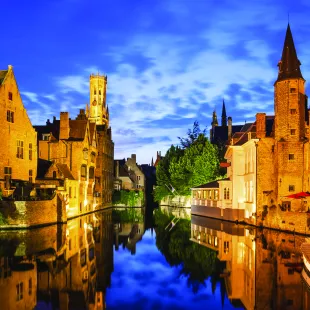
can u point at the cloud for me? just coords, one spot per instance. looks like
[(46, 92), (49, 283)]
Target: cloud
[(73, 83)]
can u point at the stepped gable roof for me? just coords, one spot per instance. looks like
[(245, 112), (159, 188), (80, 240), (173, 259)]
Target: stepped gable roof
[(42, 168), (3, 74), (64, 169)]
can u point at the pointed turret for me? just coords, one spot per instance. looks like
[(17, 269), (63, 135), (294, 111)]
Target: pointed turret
[(224, 117), (152, 163), (214, 120), (289, 65)]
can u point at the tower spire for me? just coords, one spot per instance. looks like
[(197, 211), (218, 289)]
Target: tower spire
[(224, 117), (289, 65), (214, 119)]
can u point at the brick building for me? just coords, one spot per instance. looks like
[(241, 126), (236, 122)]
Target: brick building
[(18, 151), (268, 160)]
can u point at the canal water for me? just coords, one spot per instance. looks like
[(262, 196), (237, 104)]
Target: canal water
[(127, 259)]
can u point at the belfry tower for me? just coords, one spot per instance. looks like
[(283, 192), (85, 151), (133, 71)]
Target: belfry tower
[(98, 111), (290, 99)]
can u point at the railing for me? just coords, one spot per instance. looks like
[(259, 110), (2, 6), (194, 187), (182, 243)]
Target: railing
[(205, 202)]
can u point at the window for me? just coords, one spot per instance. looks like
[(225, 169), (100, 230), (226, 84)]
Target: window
[(83, 171), (10, 95), (138, 177), (45, 136), (226, 193), (85, 153), (291, 188), (226, 247), (215, 241), (286, 205), (70, 192), (30, 176), (291, 156), (290, 271), (293, 90), (19, 291), (293, 111), (7, 177), (91, 172), (95, 92), (10, 116), (20, 149), (30, 287), (216, 194), (54, 174), (92, 157), (30, 151), (293, 132)]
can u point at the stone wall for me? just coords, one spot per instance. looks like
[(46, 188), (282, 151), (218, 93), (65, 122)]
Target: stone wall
[(23, 214)]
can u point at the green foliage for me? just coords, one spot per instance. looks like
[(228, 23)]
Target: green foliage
[(185, 168), (128, 215), (192, 135), (198, 262), (130, 198)]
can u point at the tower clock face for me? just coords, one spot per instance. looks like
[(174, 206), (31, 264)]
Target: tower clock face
[(94, 103)]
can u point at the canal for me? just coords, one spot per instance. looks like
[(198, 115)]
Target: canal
[(166, 259)]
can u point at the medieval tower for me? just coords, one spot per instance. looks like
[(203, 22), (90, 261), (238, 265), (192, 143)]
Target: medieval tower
[(290, 105)]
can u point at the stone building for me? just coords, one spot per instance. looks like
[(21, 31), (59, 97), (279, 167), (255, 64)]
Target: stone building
[(268, 160), (18, 152)]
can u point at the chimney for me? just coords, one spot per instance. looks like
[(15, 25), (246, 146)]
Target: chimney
[(260, 125), (134, 158), (229, 128), (64, 126), (117, 169)]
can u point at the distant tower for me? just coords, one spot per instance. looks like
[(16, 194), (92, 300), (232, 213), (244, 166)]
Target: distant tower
[(290, 98), (224, 117), (214, 120), (98, 111)]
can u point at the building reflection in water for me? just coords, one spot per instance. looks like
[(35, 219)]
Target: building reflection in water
[(262, 267), (58, 267)]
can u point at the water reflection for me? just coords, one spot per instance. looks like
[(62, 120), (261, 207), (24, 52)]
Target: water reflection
[(262, 267), (57, 267), (126, 260)]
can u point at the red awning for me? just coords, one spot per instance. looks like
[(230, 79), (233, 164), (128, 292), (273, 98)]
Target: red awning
[(299, 195), (224, 165)]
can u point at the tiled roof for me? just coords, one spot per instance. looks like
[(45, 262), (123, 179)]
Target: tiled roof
[(77, 129), (42, 168), (64, 169), (213, 184)]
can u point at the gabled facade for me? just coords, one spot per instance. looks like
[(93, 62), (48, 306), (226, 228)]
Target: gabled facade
[(18, 151)]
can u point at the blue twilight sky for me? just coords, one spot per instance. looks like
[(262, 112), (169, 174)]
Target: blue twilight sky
[(169, 62), (146, 281)]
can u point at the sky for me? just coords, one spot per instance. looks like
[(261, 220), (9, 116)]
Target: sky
[(168, 62), (134, 285)]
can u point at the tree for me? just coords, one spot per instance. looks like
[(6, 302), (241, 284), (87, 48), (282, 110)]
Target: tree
[(192, 135)]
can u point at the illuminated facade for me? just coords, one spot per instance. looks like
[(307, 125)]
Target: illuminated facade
[(18, 152)]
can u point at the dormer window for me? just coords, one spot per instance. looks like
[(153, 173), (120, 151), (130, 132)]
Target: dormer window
[(45, 136)]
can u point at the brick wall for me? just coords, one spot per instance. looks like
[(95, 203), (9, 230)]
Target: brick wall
[(32, 213)]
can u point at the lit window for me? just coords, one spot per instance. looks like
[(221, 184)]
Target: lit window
[(85, 153), (226, 193), (10, 96), (293, 111), (30, 151), (84, 171), (291, 188), (291, 156), (30, 176), (293, 132), (216, 195), (226, 247), (45, 136), (20, 149), (10, 116), (19, 291)]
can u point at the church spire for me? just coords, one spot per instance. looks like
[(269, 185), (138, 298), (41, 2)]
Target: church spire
[(214, 120), (224, 117), (289, 65)]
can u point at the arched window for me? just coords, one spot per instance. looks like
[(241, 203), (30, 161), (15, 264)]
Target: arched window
[(84, 171), (95, 92)]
